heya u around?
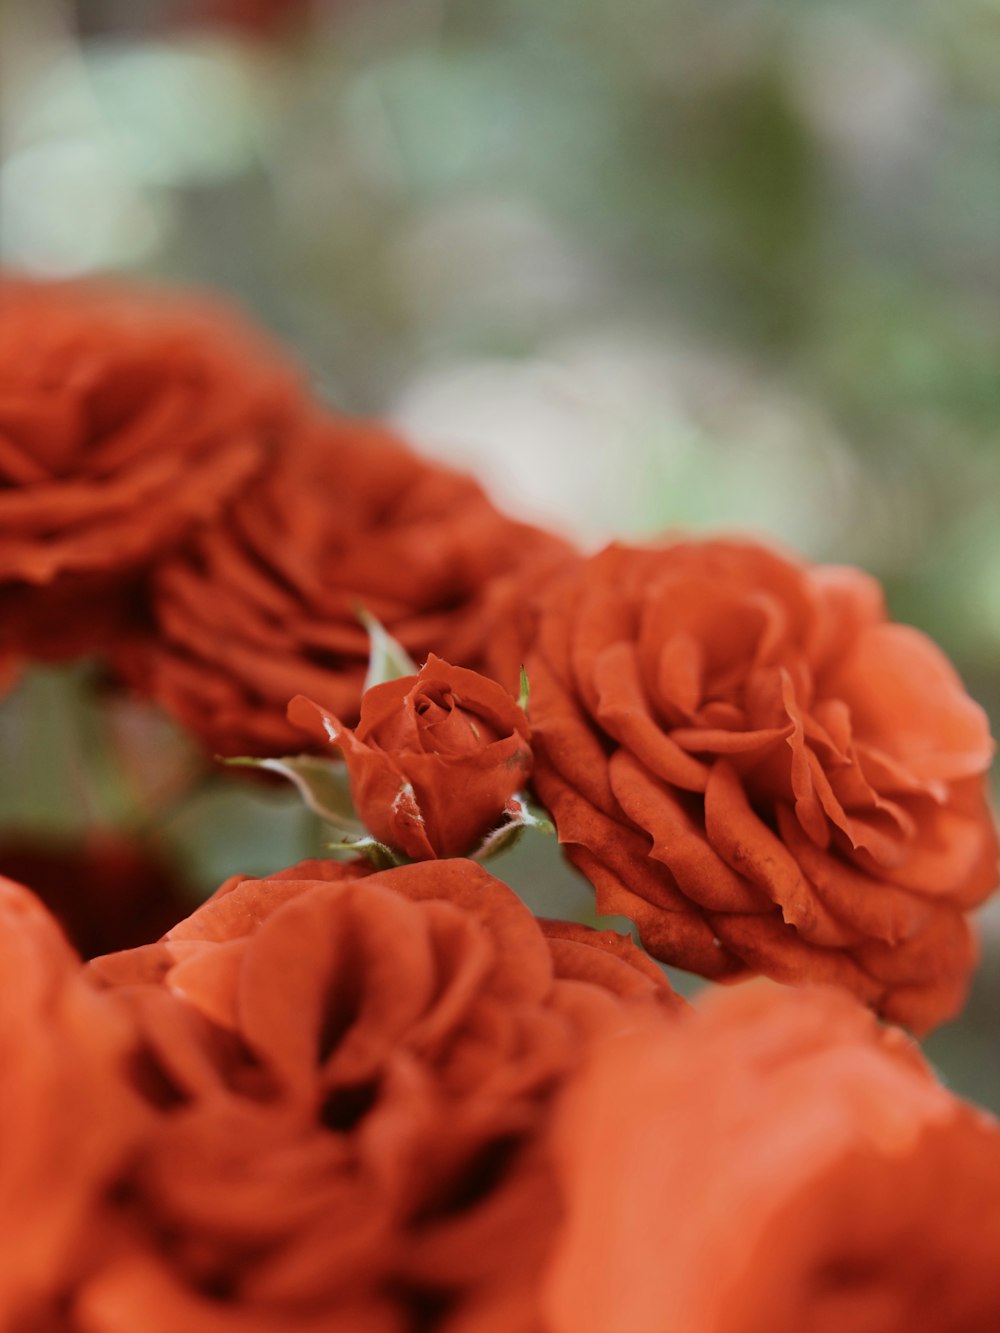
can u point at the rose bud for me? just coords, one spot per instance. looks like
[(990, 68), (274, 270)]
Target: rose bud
[(434, 760)]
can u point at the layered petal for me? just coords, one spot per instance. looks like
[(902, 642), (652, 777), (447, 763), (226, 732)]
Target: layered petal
[(127, 421), (265, 605), (354, 1074), (742, 753), (773, 1164)]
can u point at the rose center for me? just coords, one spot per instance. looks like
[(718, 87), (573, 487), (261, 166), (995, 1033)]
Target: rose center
[(447, 728)]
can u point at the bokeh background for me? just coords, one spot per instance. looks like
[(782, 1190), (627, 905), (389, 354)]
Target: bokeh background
[(640, 264)]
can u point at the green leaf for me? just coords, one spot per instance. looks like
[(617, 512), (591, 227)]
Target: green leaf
[(323, 784), (387, 659)]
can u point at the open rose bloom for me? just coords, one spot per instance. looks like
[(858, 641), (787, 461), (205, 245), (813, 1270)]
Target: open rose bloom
[(776, 1164), (349, 1079), (69, 1120), (746, 757), (127, 421), (266, 605)]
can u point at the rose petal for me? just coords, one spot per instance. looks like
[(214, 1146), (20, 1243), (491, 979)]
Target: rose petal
[(907, 699), (750, 847), (870, 906), (701, 874)]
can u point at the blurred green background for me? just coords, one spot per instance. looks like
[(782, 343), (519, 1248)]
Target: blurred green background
[(637, 263)]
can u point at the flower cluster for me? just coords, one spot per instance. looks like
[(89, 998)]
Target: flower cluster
[(378, 1094), (172, 497)]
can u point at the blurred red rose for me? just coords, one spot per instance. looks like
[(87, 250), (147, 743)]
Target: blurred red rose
[(260, 18), (10, 670), (775, 1164), (434, 760), (265, 605), (748, 759), (355, 1076), (128, 418), (69, 1121), (263, 19), (107, 892)]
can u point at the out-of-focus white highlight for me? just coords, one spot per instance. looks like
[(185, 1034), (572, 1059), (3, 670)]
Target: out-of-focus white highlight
[(96, 144), (619, 433)]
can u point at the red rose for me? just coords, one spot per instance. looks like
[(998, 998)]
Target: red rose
[(265, 605), (107, 892), (261, 18), (748, 759), (10, 670), (355, 1080), (434, 760), (127, 419), (775, 1164), (69, 1122)]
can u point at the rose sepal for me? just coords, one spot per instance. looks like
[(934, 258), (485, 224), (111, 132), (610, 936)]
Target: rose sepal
[(381, 856), (387, 658), (519, 814), (523, 691), (322, 783)]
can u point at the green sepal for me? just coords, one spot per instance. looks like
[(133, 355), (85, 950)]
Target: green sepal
[(531, 815), (524, 693), (322, 783), (519, 814), (504, 838), (381, 856), (387, 658)]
